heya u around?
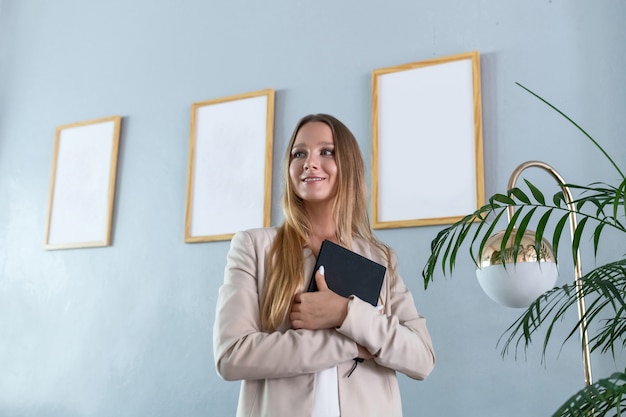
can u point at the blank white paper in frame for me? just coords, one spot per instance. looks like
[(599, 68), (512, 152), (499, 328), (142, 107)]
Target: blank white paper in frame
[(82, 187), (427, 161), (230, 166)]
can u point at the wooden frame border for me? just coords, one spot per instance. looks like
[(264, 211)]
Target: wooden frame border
[(229, 177), (82, 185), (424, 173)]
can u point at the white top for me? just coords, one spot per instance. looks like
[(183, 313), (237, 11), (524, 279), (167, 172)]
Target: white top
[(326, 398)]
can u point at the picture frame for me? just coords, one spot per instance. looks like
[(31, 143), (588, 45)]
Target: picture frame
[(229, 175), (82, 184), (427, 149)]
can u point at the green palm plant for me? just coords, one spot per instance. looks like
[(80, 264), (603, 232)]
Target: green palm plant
[(599, 207)]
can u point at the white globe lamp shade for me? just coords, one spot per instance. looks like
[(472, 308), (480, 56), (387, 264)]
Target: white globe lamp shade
[(516, 284)]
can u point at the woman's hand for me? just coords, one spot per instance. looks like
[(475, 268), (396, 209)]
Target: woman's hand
[(364, 353), (323, 309)]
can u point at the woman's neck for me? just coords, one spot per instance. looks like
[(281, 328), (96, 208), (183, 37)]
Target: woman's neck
[(322, 227)]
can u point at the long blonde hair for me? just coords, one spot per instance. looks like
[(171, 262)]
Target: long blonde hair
[(286, 260)]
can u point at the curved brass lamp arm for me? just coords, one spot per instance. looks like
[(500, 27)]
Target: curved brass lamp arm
[(577, 267)]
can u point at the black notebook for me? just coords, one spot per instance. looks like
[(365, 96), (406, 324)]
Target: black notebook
[(348, 273)]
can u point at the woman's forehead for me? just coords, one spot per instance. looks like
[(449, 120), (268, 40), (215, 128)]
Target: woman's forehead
[(314, 133)]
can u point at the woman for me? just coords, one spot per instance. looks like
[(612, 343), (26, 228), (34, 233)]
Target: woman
[(294, 350)]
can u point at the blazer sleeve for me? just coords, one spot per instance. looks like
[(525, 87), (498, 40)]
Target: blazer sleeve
[(241, 349), (398, 338)]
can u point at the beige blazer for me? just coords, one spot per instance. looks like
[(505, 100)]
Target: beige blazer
[(278, 369)]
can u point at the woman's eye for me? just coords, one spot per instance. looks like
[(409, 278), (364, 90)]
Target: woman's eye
[(297, 154), (328, 152)]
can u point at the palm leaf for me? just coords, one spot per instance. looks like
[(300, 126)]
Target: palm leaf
[(556, 237), (607, 282), (501, 198), (579, 128), (605, 398), (521, 229), (537, 194), (558, 199), (519, 194), (596, 238), (576, 238), (488, 233), (541, 226), (619, 200)]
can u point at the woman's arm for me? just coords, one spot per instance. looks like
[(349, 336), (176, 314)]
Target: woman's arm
[(241, 349), (399, 341)]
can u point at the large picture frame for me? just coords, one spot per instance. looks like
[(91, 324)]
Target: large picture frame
[(427, 152), (230, 166), (82, 185)]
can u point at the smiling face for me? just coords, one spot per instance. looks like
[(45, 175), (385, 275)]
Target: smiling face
[(313, 168)]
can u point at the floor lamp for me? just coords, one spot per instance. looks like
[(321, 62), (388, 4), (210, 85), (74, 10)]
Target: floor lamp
[(519, 286)]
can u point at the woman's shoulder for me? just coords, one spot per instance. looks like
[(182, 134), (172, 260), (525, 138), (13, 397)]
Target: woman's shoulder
[(258, 236), (252, 242)]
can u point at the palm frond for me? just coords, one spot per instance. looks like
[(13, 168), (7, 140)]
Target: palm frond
[(448, 242), (605, 286), (578, 127), (605, 398)]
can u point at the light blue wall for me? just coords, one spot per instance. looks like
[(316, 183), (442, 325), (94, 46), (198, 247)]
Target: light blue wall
[(126, 330)]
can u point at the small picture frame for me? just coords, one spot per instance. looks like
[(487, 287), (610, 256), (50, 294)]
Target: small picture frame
[(230, 166), (427, 152), (82, 185)]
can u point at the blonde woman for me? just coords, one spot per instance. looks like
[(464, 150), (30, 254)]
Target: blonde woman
[(293, 350)]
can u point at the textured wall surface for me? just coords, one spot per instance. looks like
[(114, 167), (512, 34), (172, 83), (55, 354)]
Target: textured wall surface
[(126, 330)]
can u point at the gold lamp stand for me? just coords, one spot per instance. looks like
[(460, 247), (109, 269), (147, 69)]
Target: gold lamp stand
[(531, 278)]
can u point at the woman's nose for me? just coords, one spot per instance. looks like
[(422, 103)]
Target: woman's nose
[(311, 162)]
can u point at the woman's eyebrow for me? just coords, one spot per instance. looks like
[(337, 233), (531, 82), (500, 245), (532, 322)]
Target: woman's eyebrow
[(302, 145)]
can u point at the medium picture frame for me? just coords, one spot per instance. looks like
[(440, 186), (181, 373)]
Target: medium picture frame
[(230, 166), (427, 149), (82, 184)]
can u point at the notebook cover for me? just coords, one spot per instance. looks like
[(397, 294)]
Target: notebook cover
[(348, 273)]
